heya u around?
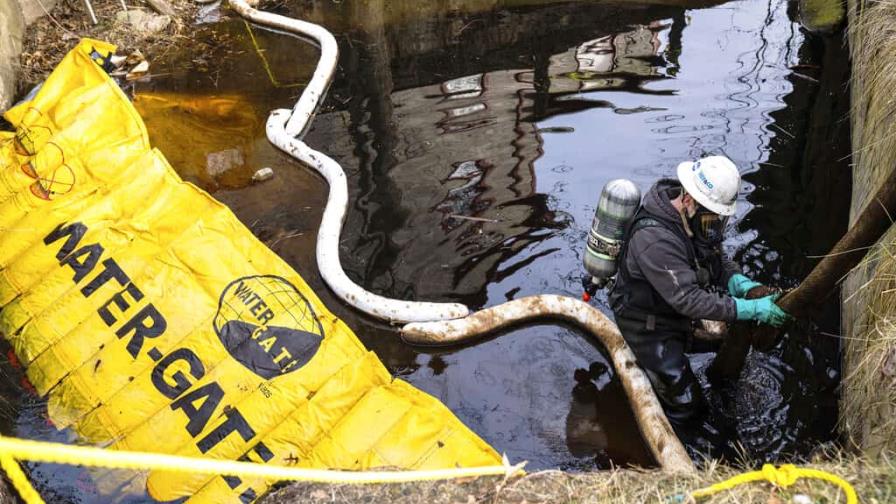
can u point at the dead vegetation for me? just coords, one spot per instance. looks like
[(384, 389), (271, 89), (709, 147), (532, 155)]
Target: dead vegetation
[(874, 483), (868, 396), (48, 39)]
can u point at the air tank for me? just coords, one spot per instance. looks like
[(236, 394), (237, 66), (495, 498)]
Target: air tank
[(619, 201)]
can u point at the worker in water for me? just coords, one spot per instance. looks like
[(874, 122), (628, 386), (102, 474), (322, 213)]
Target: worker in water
[(672, 273)]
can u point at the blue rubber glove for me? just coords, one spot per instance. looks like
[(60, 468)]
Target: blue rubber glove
[(739, 285), (763, 309)]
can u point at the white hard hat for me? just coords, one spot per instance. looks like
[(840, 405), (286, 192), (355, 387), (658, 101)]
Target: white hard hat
[(713, 181)]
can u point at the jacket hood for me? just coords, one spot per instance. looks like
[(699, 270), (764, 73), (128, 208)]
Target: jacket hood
[(658, 201)]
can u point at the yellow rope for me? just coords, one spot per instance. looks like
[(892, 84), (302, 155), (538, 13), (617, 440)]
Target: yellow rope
[(19, 480), (782, 477), (12, 449), (264, 61)]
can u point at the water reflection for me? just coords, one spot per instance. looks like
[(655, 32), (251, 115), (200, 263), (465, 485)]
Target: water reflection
[(468, 192)]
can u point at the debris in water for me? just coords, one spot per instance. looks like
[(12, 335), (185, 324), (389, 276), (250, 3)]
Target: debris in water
[(636, 110), (557, 129), (138, 71), (471, 218), (263, 174), (210, 13), (217, 163)]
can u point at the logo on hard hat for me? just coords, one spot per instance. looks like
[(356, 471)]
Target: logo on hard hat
[(701, 176), (705, 181), (267, 325)]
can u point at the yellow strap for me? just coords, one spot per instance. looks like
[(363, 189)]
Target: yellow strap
[(265, 64), (12, 449), (19, 480), (782, 477)]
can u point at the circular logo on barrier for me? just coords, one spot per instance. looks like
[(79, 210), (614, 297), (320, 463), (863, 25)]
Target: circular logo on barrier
[(267, 325)]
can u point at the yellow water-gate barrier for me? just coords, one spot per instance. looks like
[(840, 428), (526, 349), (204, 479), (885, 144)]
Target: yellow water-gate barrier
[(155, 321)]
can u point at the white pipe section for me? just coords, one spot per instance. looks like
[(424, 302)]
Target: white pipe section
[(652, 421), (285, 129)]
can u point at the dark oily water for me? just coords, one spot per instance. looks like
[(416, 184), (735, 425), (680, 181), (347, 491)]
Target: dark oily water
[(476, 140)]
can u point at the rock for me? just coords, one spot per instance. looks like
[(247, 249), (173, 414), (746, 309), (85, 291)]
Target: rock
[(209, 13), (138, 71), (162, 7), (822, 16), (262, 175), (217, 163), (32, 10), (143, 21), (12, 25)]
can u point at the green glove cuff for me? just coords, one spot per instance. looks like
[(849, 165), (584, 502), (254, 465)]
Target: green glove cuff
[(746, 308), (739, 285)]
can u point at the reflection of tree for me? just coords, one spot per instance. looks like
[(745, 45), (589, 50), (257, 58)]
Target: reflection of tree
[(444, 139), (619, 60)]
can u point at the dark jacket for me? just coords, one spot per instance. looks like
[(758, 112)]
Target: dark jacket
[(661, 258)]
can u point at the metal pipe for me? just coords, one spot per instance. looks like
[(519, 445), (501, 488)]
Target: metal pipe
[(90, 11), (652, 421)]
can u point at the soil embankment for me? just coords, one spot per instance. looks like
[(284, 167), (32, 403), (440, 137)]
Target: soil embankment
[(868, 401)]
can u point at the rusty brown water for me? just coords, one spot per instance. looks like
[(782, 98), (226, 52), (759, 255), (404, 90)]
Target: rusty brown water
[(476, 136)]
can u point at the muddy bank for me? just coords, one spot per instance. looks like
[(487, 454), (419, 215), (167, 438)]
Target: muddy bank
[(48, 38), (869, 299)]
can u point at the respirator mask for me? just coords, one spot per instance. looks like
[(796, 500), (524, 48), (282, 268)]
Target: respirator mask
[(708, 227)]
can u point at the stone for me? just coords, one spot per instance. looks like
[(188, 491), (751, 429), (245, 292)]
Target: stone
[(143, 21), (218, 163), (12, 25), (262, 175), (822, 16), (32, 10)]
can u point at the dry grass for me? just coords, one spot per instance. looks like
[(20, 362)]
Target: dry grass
[(868, 395), (51, 37), (872, 37), (868, 398), (875, 483)]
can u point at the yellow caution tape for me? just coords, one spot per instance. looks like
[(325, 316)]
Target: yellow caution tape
[(12, 449), (783, 477), (264, 61)]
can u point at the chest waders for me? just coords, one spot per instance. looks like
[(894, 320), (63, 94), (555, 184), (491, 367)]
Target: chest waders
[(656, 333)]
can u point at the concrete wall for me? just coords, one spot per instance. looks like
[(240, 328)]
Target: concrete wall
[(868, 393), (32, 10), (12, 26)]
